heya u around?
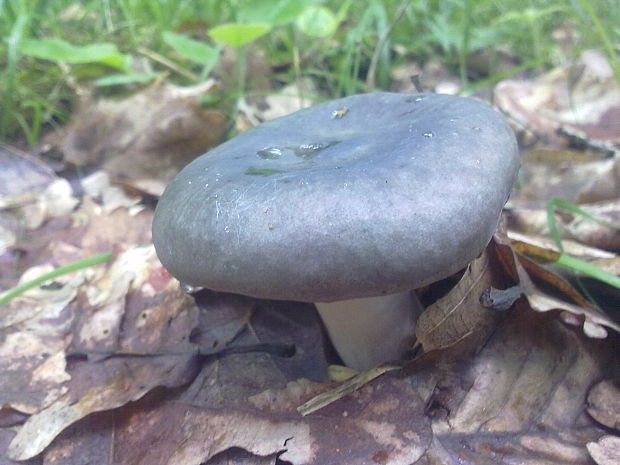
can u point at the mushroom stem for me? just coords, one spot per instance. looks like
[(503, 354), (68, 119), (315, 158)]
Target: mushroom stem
[(372, 330)]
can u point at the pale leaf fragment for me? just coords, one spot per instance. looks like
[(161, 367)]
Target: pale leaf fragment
[(606, 451), (604, 403)]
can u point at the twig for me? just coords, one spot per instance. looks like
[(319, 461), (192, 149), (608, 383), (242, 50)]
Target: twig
[(372, 68), (169, 63)]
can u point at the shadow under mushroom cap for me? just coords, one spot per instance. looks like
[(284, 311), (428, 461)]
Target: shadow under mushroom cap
[(367, 195)]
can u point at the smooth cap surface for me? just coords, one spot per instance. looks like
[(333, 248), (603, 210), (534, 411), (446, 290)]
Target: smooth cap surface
[(366, 195)]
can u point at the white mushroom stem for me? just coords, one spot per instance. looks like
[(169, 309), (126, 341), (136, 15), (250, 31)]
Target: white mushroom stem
[(372, 330)]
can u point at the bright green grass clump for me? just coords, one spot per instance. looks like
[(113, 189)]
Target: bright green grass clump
[(48, 49)]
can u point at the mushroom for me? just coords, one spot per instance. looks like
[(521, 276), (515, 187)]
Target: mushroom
[(350, 204)]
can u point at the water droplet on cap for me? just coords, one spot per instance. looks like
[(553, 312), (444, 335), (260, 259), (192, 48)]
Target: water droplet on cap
[(270, 153)]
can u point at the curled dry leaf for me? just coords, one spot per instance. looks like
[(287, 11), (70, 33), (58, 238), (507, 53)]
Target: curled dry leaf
[(572, 248), (460, 314), (581, 100), (524, 270), (149, 136)]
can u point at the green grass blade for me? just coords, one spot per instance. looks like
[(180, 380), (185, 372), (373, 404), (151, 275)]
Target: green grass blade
[(573, 263), (587, 269), (62, 270)]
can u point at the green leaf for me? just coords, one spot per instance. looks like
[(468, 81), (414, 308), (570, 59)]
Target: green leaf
[(237, 35), (119, 79), (196, 51), (274, 12), (60, 50), (317, 21)]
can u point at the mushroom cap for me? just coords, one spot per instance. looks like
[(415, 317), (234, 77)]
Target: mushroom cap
[(362, 196)]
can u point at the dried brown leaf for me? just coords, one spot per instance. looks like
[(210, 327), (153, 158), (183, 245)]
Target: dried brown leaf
[(346, 388), (31, 196), (32, 350), (386, 418), (21, 173), (572, 248), (521, 396), (296, 324), (575, 230), (604, 403), (129, 309), (603, 186), (593, 233), (460, 314), (547, 173), (593, 320), (291, 98), (149, 136), (582, 98)]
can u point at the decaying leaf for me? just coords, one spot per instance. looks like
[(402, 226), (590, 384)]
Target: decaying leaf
[(582, 237), (603, 186), (551, 172), (604, 403), (128, 310), (571, 247), (34, 327), (97, 186), (523, 270), (520, 397), (385, 420), (606, 451), (460, 314), (291, 98), (145, 139), (582, 100), (30, 196), (295, 324), (21, 173)]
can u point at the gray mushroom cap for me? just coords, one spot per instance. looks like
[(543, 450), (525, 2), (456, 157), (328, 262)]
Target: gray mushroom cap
[(367, 195)]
